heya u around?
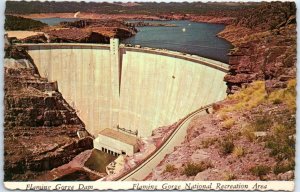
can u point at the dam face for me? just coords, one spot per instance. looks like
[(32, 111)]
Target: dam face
[(133, 90)]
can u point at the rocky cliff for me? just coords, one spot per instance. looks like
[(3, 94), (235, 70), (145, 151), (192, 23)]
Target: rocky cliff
[(41, 131), (265, 49)]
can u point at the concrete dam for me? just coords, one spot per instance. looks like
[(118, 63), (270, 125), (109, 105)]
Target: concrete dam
[(129, 90)]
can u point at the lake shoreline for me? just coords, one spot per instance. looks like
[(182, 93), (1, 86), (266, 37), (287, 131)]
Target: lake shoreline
[(214, 50), (164, 17)]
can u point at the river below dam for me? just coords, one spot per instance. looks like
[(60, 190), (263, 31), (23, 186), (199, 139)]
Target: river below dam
[(188, 37)]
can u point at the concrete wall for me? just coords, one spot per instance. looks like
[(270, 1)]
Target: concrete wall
[(157, 90), (84, 77), (156, 87)]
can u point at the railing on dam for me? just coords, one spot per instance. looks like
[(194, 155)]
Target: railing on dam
[(62, 45), (194, 58), (159, 153)]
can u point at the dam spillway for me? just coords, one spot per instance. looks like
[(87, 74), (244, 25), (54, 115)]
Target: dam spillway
[(134, 90)]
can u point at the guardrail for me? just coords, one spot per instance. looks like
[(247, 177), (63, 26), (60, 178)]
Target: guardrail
[(156, 152), (64, 45)]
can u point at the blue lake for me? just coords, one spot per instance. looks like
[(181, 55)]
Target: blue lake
[(189, 37)]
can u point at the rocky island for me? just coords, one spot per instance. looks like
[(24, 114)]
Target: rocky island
[(145, 24)]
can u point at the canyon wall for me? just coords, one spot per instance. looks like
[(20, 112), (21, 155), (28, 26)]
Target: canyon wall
[(40, 128), (264, 48)]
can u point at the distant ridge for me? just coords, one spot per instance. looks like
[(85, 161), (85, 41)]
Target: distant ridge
[(24, 7)]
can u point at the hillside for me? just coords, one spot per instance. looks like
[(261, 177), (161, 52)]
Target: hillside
[(264, 48), (150, 8), (20, 23)]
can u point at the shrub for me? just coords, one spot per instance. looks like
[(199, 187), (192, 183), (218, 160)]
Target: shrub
[(192, 169), (282, 168), (262, 123), (227, 124), (249, 97), (248, 133), (281, 144), (223, 116), (260, 170), (282, 150), (238, 151), (228, 176), (227, 146), (208, 142), (277, 101), (287, 96), (170, 168)]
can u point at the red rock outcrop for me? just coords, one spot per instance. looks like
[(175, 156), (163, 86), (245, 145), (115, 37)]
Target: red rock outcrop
[(265, 49), (108, 28), (76, 36), (84, 31), (212, 19), (40, 38)]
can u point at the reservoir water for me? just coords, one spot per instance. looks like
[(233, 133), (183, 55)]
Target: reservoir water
[(188, 37), (55, 20)]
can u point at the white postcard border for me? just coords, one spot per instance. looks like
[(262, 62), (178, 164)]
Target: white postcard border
[(129, 185), (154, 185)]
